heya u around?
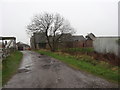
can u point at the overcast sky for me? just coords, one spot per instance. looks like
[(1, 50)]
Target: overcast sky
[(97, 16)]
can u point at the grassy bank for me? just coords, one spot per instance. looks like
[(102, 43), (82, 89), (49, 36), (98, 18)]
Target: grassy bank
[(83, 50), (10, 65), (88, 64)]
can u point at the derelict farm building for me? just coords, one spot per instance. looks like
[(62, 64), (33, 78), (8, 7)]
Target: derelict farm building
[(38, 40)]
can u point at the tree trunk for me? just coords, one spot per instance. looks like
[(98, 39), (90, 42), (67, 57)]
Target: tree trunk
[(48, 38), (53, 43)]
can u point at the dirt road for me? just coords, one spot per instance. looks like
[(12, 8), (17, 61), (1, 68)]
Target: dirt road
[(40, 71)]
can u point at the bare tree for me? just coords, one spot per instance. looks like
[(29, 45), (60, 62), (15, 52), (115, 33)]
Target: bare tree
[(52, 25)]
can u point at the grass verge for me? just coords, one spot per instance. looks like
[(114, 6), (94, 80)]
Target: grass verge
[(10, 66), (84, 64), (83, 50)]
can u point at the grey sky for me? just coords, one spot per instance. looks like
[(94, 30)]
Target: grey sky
[(97, 16)]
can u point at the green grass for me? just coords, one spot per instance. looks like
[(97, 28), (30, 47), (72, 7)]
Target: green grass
[(86, 63), (10, 65), (79, 50)]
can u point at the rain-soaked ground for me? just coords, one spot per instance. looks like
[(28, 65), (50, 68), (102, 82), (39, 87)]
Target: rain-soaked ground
[(40, 71)]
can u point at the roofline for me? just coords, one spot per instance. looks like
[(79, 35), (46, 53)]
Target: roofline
[(109, 37), (77, 35)]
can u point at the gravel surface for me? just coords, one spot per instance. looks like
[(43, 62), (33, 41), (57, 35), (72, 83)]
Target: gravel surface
[(40, 71)]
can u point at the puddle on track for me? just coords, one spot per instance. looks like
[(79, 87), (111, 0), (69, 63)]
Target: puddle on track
[(47, 66), (22, 70)]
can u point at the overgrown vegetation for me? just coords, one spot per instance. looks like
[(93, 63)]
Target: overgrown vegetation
[(84, 50), (87, 63), (108, 57), (10, 65)]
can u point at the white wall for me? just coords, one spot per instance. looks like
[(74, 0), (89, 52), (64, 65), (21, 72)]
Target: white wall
[(106, 45)]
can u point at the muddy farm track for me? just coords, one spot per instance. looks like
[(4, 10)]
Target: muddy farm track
[(40, 71)]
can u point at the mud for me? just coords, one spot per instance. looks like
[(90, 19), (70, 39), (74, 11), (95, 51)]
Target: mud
[(40, 71)]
